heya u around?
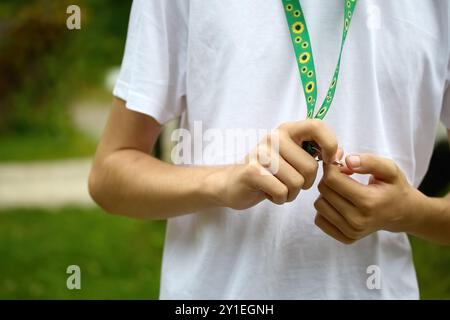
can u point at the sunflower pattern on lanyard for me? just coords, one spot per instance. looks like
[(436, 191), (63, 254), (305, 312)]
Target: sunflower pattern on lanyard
[(303, 51)]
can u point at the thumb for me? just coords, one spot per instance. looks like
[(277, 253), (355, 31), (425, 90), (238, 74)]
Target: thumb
[(381, 168)]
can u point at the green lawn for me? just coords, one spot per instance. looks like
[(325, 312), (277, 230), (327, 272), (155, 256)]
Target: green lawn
[(433, 269), (119, 258), (45, 147)]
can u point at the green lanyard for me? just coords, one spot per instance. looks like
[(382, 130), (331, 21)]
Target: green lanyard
[(304, 56)]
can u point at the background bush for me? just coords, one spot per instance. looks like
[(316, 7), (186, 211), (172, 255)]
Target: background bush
[(43, 65)]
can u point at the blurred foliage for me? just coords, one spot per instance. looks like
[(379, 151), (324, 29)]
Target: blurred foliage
[(44, 66)]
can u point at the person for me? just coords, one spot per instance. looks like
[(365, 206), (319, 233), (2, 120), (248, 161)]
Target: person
[(237, 230)]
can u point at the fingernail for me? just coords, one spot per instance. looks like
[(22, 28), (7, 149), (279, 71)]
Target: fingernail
[(354, 161)]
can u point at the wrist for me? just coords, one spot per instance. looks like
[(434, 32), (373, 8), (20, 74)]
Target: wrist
[(414, 209), (213, 186), (421, 209)]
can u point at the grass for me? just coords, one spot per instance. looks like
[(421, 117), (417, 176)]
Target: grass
[(433, 269), (120, 258), (45, 147)]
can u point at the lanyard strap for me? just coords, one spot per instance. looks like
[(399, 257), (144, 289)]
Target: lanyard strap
[(304, 56)]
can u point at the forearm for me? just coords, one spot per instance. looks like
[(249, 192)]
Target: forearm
[(431, 219), (132, 183)]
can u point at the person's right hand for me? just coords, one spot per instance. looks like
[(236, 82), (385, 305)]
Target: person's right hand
[(243, 186)]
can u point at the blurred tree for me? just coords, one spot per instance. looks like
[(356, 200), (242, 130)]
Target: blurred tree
[(43, 65), (29, 38)]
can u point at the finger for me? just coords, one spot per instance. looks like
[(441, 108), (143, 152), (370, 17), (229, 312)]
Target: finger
[(331, 230), (337, 157), (342, 165), (325, 209), (381, 168), (317, 131), (269, 157), (336, 200), (262, 179), (344, 185), (300, 160), (339, 154), (290, 177), (345, 169)]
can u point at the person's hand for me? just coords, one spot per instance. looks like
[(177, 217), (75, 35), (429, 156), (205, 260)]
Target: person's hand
[(278, 168), (348, 210)]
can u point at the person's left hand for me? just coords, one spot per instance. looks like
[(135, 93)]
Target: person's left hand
[(348, 210)]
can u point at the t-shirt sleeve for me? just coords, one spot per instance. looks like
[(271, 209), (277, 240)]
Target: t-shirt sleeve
[(153, 73), (445, 112)]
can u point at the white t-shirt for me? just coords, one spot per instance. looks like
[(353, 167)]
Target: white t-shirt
[(230, 64)]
